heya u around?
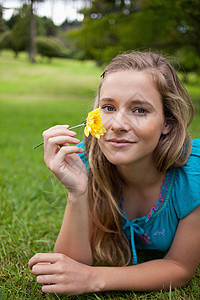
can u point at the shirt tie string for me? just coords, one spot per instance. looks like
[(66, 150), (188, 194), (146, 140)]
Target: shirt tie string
[(134, 227)]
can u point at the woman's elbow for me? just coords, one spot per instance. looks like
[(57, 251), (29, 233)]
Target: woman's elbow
[(182, 279)]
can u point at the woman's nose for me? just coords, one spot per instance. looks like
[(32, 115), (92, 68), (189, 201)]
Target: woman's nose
[(120, 122)]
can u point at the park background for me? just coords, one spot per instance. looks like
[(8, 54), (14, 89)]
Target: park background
[(49, 75)]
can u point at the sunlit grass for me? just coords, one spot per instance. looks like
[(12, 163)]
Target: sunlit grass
[(58, 79)]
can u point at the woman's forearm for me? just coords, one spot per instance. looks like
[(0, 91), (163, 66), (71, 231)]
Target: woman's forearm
[(149, 276), (74, 237)]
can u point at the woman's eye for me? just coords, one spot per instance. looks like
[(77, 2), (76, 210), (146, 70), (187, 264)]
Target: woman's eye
[(140, 110), (108, 108)]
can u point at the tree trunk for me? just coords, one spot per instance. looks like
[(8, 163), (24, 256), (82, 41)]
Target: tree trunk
[(32, 48)]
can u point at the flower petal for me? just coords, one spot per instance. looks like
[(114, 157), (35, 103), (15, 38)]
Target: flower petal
[(94, 126), (86, 132)]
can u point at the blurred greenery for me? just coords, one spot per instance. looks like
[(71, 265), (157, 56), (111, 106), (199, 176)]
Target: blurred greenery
[(50, 47), (33, 98), (47, 81), (111, 27)]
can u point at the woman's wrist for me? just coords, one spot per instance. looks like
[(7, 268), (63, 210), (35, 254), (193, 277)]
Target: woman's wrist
[(95, 279), (77, 196)]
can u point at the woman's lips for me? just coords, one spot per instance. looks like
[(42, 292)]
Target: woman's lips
[(119, 143)]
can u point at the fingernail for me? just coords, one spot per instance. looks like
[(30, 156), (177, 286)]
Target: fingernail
[(72, 132), (76, 140)]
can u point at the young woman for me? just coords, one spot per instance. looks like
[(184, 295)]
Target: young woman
[(137, 187)]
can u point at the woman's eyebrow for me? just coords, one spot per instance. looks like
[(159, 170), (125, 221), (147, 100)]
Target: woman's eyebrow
[(107, 99), (130, 101), (141, 102)]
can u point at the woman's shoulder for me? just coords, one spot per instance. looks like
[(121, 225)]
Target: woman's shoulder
[(195, 151), (187, 183), (192, 166)]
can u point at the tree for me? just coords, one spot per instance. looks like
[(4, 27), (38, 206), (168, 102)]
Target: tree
[(49, 28), (111, 27), (17, 36), (32, 48), (188, 21), (50, 47), (47, 25), (20, 33), (3, 26), (23, 33)]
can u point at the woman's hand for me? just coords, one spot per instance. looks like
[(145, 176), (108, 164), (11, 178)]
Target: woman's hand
[(60, 274), (63, 161)]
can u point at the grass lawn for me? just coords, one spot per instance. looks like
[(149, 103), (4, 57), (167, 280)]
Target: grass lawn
[(33, 98)]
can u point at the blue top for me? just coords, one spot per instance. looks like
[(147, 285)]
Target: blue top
[(179, 196)]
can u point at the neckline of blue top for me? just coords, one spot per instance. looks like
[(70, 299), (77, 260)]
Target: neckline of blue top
[(135, 225)]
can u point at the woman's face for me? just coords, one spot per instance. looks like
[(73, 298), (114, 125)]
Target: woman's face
[(133, 117)]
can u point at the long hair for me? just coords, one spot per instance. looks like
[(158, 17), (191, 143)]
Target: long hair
[(110, 245)]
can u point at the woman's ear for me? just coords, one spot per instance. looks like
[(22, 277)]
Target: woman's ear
[(167, 127)]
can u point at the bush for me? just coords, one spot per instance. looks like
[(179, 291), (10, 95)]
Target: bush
[(189, 58), (5, 40), (50, 47)]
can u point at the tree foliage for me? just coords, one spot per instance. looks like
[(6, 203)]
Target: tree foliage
[(115, 26), (3, 26), (20, 33), (17, 36), (49, 47)]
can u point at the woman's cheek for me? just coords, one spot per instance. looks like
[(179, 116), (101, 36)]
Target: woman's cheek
[(106, 120), (151, 131)]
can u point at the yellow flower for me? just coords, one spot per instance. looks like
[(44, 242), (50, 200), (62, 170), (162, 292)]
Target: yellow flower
[(94, 126)]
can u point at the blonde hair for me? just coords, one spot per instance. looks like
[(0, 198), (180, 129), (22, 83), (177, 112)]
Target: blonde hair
[(110, 245)]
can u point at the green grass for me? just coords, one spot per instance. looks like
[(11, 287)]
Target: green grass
[(33, 98)]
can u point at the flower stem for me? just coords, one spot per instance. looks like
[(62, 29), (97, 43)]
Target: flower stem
[(82, 124), (35, 147)]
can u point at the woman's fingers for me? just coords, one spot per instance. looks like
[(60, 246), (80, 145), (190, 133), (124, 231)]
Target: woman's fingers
[(59, 273), (58, 130), (51, 148), (50, 289), (47, 279), (66, 150), (43, 269), (45, 258), (59, 136), (63, 161), (62, 140)]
